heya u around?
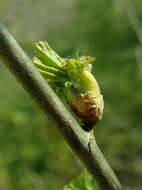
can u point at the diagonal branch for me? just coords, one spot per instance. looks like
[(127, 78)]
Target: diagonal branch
[(82, 142)]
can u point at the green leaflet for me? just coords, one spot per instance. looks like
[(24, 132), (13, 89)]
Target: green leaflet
[(62, 71), (83, 182), (47, 55)]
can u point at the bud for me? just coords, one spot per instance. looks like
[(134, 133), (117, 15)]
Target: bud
[(72, 79)]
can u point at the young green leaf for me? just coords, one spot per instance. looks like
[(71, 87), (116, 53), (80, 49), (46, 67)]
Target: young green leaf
[(74, 79), (82, 182)]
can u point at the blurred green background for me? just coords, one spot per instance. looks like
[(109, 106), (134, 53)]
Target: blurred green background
[(33, 155)]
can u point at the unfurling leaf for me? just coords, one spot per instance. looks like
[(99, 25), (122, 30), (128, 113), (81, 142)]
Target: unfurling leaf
[(71, 78)]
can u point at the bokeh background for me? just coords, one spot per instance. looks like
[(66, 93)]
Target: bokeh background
[(33, 155)]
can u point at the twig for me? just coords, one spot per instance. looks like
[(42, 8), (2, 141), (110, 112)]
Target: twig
[(84, 146)]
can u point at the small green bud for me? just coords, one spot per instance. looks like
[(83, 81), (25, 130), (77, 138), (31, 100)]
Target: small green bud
[(73, 79)]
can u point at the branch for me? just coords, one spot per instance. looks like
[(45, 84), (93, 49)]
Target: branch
[(81, 142)]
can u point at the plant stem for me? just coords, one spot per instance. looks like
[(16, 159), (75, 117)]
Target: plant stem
[(82, 142)]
